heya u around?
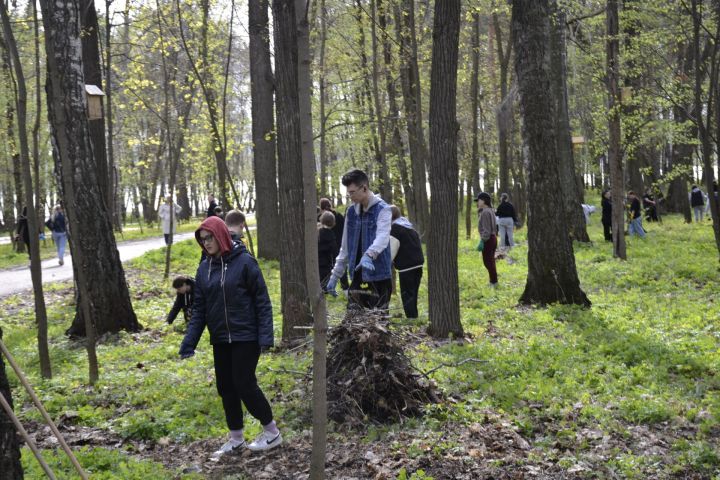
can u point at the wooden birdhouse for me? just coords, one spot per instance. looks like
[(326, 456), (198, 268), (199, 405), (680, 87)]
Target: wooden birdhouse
[(94, 102)]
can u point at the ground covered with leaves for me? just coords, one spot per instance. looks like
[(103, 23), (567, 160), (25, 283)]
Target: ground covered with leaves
[(626, 389)]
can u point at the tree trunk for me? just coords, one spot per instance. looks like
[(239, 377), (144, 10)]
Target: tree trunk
[(309, 172), (474, 174), (394, 116), (202, 73), (570, 196), (442, 248), (93, 76), (12, 144), (614, 151), (10, 465), (552, 276), (112, 176), (312, 274), (412, 101), (704, 119), (32, 218), (504, 110), (381, 155), (322, 81), (39, 199), (295, 307), (263, 132), (101, 276)]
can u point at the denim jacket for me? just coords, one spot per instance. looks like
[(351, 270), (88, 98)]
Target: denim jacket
[(374, 226)]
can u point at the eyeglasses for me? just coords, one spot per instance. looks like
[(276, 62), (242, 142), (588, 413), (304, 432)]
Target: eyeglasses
[(350, 193), (206, 239)]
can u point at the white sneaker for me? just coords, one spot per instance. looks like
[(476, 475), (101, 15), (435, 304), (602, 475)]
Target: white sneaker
[(229, 447), (265, 441)]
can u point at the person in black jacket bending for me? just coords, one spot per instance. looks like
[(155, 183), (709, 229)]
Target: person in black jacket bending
[(232, 300), (408, 260), (184, 286), (327, 248)]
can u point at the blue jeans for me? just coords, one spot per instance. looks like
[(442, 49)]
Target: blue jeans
[(60, 239), (699, 210), (636, 227)]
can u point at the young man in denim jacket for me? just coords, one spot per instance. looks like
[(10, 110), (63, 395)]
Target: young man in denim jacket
[(364, 250)]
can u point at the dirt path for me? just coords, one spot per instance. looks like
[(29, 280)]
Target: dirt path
[(17, 279)]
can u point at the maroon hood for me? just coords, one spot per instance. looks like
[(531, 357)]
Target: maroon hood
[(219, 230)]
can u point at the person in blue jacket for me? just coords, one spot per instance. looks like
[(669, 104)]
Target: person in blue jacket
[(232, 300)]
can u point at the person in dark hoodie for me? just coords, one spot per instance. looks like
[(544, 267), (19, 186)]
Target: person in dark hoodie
[(232, 300), (184, 286), (408, 259), (327, 248), (607, 215), (326, 206)]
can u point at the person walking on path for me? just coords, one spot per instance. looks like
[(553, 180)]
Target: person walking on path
[(487, 227), (363, 250), (58, 228), (326, 206), (697, 202), (407, 254), (607, 215), (168, 212), (185, 288), (506, 220), (231, 299), (327, 248), (635, 227)]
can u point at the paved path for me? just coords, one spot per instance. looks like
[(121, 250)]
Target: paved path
[(17, 279)]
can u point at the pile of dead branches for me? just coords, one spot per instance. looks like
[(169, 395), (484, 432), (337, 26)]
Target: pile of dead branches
[(369, 376)]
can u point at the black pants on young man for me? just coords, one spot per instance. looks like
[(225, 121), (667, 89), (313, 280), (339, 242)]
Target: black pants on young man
[(409, 287), (235, 365), (369, 294)]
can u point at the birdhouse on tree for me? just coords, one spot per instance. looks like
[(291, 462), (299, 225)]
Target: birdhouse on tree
[(94, 102)]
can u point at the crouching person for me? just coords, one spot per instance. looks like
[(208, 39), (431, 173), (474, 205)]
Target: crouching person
[(232, 300), (184, 286)]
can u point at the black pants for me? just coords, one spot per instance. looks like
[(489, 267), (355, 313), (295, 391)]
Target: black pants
[(167, 238), (606, 231), (409, 286), (369, 294), (235, 365)]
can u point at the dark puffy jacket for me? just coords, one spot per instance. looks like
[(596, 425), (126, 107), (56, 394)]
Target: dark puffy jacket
[(232, 300)]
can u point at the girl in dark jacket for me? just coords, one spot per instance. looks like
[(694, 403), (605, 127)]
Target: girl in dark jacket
[(232, 300)]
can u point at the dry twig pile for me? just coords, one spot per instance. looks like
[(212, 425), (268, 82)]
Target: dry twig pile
[(369, 376)]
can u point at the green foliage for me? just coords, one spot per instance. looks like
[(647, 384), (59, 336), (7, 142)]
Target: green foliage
[(98, 463)]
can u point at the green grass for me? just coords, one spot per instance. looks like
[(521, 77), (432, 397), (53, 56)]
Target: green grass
[(646, 354)]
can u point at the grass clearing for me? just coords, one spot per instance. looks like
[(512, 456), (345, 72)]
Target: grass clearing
[(628, 388)]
